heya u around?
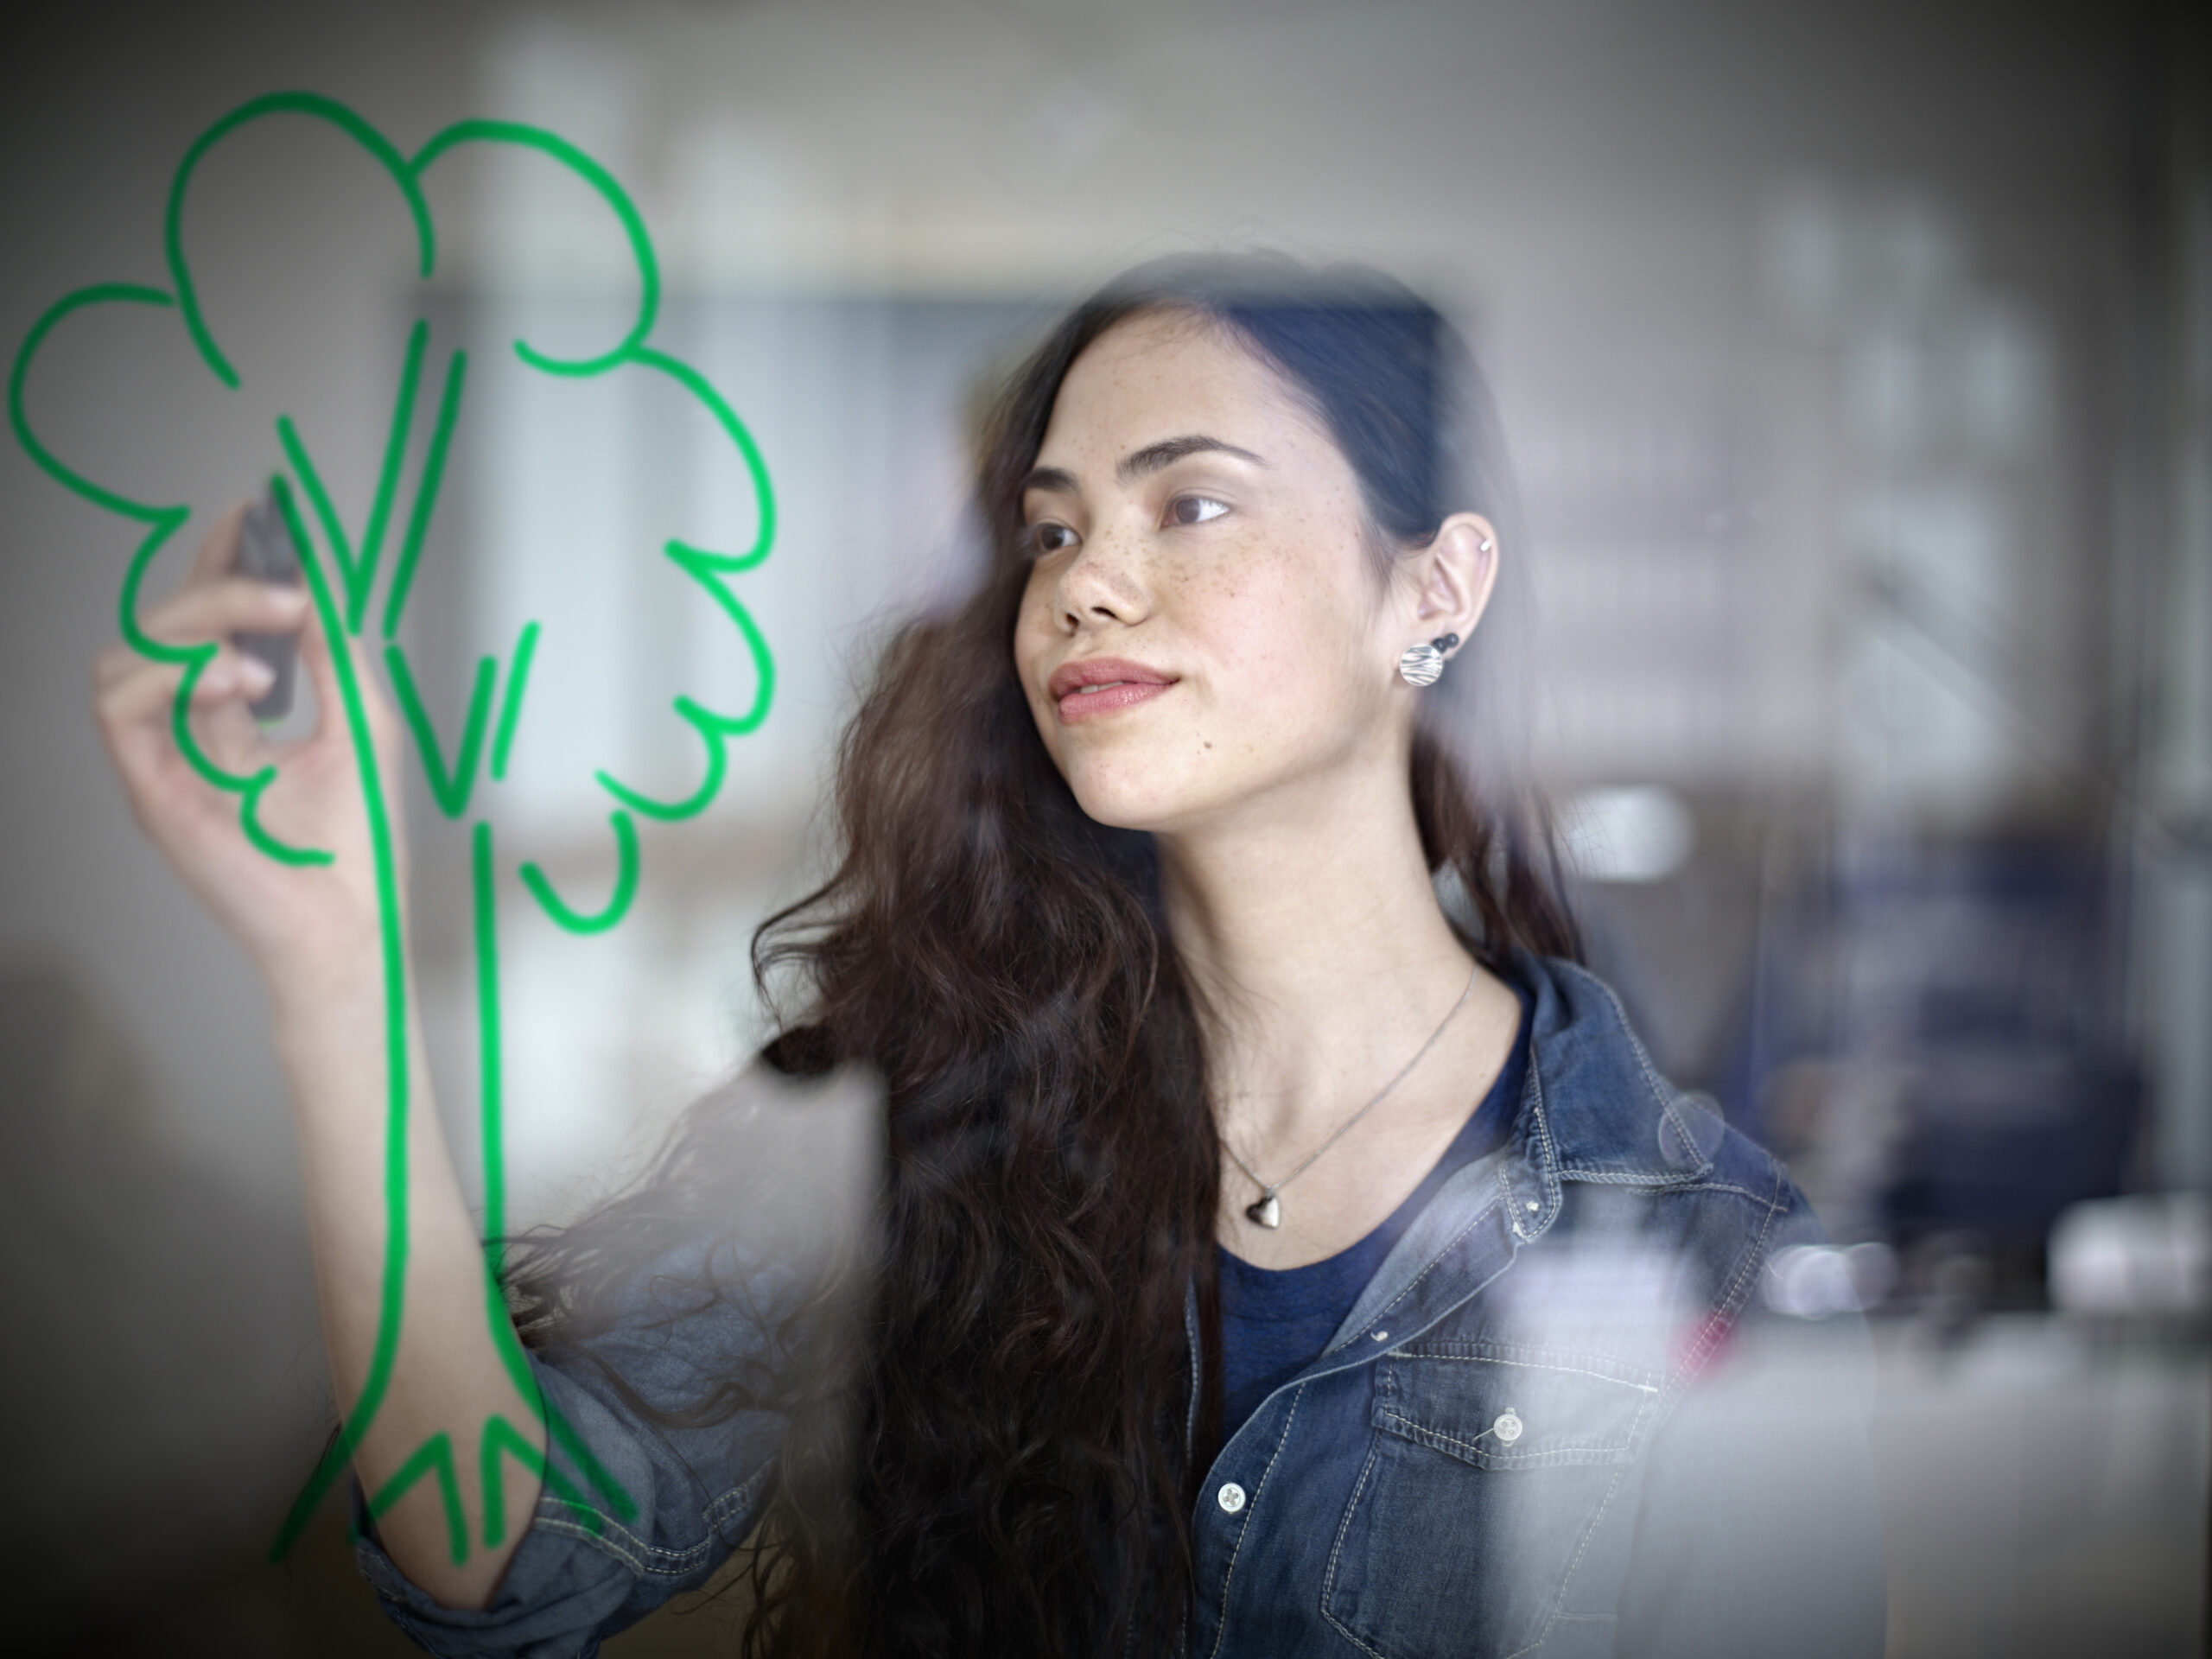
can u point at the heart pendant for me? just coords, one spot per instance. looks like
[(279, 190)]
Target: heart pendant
[(1266, 1213)]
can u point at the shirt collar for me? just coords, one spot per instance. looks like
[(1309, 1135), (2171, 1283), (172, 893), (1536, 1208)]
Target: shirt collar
[(1593, 1108)]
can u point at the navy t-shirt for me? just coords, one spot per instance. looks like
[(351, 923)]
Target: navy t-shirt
[(1274, 1322)]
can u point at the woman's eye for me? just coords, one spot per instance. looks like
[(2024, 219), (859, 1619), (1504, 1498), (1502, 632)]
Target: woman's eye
[(1194, 509), (1048, 538)]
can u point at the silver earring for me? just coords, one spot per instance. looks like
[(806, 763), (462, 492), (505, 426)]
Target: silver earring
[(1424, 664)]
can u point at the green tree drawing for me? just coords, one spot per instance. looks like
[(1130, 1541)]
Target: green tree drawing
[(345, 571)]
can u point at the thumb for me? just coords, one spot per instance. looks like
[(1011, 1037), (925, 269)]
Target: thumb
[(318, 656), (322, 674), (333, 723)]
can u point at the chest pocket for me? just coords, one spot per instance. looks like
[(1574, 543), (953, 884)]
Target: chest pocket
[(1489, 1469)]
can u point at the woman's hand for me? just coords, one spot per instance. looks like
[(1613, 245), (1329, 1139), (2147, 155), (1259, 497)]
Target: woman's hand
[(307, 925)]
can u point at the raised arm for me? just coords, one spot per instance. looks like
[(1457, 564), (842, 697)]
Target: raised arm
[(329, 937)]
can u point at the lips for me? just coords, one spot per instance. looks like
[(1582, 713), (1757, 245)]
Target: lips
[(1103, 685)]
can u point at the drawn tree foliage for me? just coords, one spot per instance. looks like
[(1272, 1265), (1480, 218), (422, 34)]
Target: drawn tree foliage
[(347, 570)]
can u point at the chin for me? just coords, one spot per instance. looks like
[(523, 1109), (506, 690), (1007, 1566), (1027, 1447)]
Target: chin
[(1124, 809), (1127, 797), (1150, 797)]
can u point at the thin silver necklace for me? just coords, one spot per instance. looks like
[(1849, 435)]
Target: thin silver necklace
[(1266, 1211)]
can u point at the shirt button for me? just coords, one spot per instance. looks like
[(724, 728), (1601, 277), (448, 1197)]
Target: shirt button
[(1533, 1207), (1508, 1427), (1230, 1498)]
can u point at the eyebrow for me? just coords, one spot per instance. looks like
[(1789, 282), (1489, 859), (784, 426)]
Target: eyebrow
[(1154, 456), (1150, 459), (1057, 480)]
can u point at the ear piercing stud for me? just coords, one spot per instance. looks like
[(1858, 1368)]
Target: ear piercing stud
[(1424, 664)]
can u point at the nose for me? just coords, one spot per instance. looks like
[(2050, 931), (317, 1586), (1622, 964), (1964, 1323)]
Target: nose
[(1102, 584)]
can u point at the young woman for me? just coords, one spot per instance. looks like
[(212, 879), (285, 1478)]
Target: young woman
[(1282, 1248)]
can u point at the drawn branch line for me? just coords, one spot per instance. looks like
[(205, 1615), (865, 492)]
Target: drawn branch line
[(340, 595)]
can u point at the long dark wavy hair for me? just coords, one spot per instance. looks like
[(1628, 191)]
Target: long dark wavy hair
[(999, 1450)]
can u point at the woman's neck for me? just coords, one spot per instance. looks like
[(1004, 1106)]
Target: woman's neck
[(1322, 959)]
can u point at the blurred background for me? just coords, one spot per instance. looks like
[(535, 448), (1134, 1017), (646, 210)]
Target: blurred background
[(1856, 362)]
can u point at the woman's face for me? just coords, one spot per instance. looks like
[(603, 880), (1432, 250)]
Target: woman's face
[(1200, 555)]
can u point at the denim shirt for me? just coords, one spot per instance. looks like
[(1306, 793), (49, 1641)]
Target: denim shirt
[(1559, 1421)]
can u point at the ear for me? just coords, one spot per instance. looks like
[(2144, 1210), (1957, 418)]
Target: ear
[(1453, 579)]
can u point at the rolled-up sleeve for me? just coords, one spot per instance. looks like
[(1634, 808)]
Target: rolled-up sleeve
[(687, 1497)]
